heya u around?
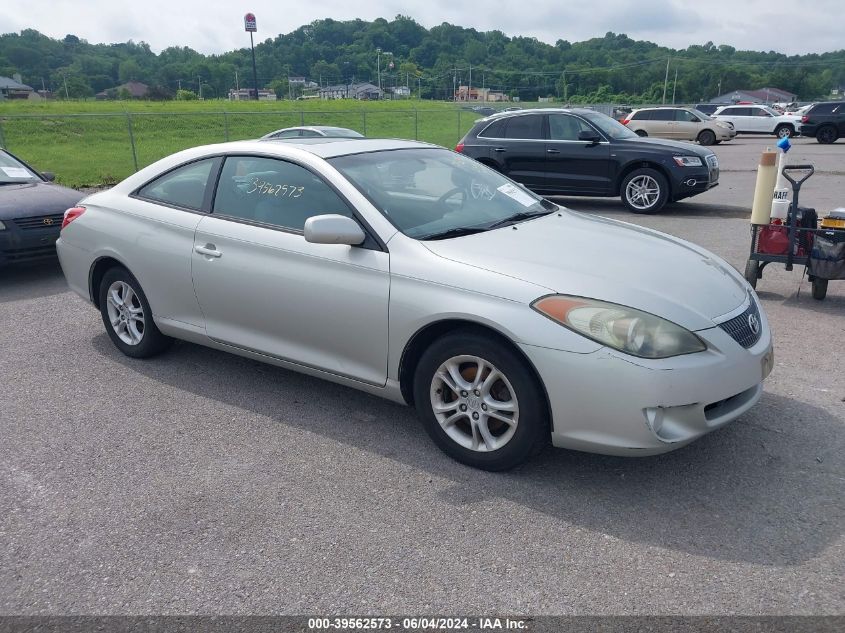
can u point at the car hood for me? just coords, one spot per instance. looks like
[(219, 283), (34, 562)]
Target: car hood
[(596, 257), (662, 145), (28, 199)]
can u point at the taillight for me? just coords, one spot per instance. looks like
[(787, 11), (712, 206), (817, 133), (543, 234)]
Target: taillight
[(71, 215), (805, 119), (459, 148), (625, 121)]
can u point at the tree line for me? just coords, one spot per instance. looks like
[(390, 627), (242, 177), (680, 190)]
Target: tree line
[(431, 62)]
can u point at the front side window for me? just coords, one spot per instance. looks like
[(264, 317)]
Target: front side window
[(275, 192), (181, 187), (527, 127), (564, 127), (435, 193)]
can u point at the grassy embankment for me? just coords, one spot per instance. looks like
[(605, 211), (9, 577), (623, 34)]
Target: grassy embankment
[(87, 143)]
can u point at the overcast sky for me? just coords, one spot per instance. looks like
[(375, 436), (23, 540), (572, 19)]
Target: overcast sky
[(215, 26)]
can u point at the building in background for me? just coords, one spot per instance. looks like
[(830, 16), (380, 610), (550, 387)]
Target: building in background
[(248, 94), (12, 88), (361, 90), (763, 95)]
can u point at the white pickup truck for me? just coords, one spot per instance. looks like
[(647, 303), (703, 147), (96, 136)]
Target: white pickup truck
[(758, 119)]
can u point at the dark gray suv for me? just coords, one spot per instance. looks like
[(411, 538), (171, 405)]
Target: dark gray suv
[(585, 153)]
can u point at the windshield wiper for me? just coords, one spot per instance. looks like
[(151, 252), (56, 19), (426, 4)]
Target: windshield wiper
[(456, 232), (517, 217)]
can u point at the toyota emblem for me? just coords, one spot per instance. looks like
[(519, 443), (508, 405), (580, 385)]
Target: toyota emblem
[(47, 221), (754, 323)]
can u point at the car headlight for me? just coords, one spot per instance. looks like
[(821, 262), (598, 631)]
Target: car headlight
[(687, 161), (620, 327)]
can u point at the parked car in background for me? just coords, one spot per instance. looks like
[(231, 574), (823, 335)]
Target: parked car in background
[(758, 119), (313, 131), (580, 152), (825, 121), (31, 211), (707, 108), (683, 124), (410, 272)]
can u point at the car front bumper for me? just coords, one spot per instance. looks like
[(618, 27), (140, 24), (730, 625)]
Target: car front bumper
[(608, 402), (21, 246)]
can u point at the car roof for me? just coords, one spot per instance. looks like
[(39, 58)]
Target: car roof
[(511, 113), (324, 147)]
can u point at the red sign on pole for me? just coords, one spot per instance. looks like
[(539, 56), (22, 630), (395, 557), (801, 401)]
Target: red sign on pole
[(249, 23)]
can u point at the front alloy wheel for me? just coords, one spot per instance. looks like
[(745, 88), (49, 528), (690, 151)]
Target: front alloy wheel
[(480, 401), (644, 191), (474, 403)]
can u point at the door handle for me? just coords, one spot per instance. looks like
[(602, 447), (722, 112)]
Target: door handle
[(552, 151), (208, 250), (498, 149)]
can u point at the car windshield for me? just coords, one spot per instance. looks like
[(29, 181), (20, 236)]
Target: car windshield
[(12, 171), (436, 193), (611, 127), (700, 114)]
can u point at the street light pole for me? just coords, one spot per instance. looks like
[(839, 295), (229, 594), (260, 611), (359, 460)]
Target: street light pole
[(250, 26)]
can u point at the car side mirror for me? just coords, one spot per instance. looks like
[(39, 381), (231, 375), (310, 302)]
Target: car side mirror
[(49, 176), (589, 136), (333, 229)]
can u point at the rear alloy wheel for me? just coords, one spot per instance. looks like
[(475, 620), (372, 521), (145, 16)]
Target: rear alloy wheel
[(784, 131), (752, 268), (645, 190), (127, 316), (479, 402), (707, 137), (642, 133), (827, 134), (819, 288)]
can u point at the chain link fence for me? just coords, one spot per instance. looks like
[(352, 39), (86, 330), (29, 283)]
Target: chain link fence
[(101, 149)]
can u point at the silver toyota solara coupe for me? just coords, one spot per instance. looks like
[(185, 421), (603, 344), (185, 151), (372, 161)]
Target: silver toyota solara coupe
[(417, 274)]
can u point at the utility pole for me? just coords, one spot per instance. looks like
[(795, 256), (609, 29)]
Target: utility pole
[(666, 79), (483, 84), (469, 87), (675, 86), (378, 68), (454, 84), (199, 83), (64, 78), (237, 86)]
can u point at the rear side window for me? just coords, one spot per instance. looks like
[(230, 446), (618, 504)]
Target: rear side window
[(738, 111), (181, 187), (663, 115), (826, 108), (494, 130), (642, 115), (272, 191), (525, 127)]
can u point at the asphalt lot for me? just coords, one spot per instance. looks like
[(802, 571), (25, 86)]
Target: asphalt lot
[(200, 482)]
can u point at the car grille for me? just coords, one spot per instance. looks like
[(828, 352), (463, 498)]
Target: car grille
[(39, 221), (739, 327), (713, 164), (16, 255)]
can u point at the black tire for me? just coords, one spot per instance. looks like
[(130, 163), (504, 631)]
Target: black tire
[(642, 133), (707, 137), (784, 131), (827, 134), (641, 207), (532, 430), (152, 341), (752, 272), (819, 288)]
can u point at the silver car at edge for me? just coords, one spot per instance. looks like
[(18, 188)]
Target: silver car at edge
[(414, 273)]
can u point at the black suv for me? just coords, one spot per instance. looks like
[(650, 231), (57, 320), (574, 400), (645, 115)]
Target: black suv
[(585, 153), (825, 121)]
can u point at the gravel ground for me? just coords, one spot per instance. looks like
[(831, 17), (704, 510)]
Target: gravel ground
[(201, 482)]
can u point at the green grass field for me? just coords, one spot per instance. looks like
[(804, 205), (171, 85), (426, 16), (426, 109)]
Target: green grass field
[(88, 143)]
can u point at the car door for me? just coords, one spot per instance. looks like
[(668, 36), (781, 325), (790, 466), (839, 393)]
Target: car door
[(522, 153), (157, 234), (687, 125), (761, 120), (572, 165), (262, 287), (663, 123)]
